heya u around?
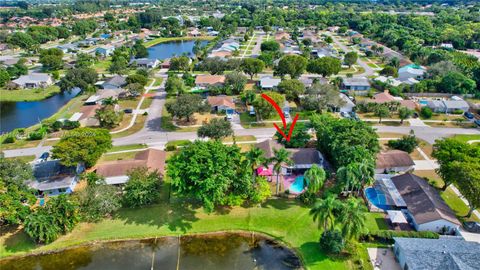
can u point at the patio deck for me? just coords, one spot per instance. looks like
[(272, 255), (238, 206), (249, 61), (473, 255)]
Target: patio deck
[(383, 259)]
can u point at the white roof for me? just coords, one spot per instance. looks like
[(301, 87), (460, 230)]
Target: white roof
[(356, 81), (33, 78), (269, 82), (115, 180), (93, 98), (410, 70), (396, 216), (76, 116)]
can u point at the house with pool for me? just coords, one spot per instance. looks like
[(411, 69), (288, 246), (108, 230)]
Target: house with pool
[(291, 174), (53, 178), (421, 205)]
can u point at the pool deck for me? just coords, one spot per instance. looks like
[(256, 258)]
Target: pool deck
[(383, 259), (288, 180)]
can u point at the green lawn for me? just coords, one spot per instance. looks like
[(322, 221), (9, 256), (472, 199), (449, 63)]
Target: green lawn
[(285, 220), (127, 147), (457, 205), (25, 159), (466, 138), (28, 94)]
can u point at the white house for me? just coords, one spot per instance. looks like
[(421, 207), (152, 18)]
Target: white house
[(356, 84), (269, 83), (349, 105), (448, 106), (411, 71), (105, 50), (34, 80), (145, 62), (425, 207)]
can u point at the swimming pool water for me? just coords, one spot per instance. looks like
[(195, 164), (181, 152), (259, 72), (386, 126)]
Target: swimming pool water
[(297, 186), (377, 198)]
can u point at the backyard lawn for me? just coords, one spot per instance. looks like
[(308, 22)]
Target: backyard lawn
[(28, 94), (466, 138), (285, 220)]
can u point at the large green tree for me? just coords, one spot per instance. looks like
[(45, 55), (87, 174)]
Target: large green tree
[(353, 218), (350, 58), (212, 173), (78, 77), (292, 89), (82, 145), (252, 66), (468, 182), (293, 65), (216, 129), (263, 108), (325, 66), (324, 210), (185, 106), (142, 187)]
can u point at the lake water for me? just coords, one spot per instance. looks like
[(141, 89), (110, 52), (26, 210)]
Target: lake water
[(172, 48), (231, 251), (28, 113)]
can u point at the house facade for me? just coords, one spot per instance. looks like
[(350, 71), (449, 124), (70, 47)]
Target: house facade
[(221, 103), (34, 80), (269, 83), (52, 178), (205, 81), (145, 63)]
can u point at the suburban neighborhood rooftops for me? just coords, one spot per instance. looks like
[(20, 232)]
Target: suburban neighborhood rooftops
[(393, 158), (116, 80), (385, 96), (439, 254), (423, 201), (210, 79), (216, 101), (33, 78), (52, 175), (144, 61)]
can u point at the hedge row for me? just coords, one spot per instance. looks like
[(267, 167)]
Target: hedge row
[(387, 236)]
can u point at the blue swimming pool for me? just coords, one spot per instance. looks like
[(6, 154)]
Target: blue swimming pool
[(297, 186), (423, 102), (377, 198)]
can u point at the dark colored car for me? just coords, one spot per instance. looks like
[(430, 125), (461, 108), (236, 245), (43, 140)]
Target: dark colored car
[(415, 115), (470, 226), (44, 156), (128, 111), (468, 115)]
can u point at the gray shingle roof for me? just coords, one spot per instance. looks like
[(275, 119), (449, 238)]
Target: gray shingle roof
[(356, 81), (52, 175), (440, 254)]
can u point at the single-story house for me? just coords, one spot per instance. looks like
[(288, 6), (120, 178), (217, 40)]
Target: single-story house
[(385, 97), (448, 106), (194, 33), (145, 62), (87, 118), (221, 103), (356, 84), (92, 100), (114, 82), (221, 54), (67, 48), (393, 161), (411, 71), (52, 178), (209, 80), (269, 83), (307, 82), (425, 207), (165, 63), (438, 254), (115, 172), (34, 80), (348, 106), (105, 50), (281, 35)]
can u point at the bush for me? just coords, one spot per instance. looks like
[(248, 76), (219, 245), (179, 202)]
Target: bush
[(332, 242), (387, 236), (67, 124), (307, 198), (406, 143), (170, 148), (37, 135), (9, 139), (177, 143), (457, 111), (426, 112)]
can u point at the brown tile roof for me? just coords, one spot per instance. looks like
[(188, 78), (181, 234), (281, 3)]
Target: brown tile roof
[(385, 96), (268, 146), (393, 158), (423, 200), (221, 101), (210, 79), (152, 158)]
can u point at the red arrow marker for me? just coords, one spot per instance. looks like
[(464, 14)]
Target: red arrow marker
[(280, 113)]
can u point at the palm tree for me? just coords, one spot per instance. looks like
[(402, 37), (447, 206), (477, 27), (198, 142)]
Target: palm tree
[(315, 177), (347, 176), (255, 158), (281, 156), (365, 172), (352, 217), (323, 212), (40, 225)]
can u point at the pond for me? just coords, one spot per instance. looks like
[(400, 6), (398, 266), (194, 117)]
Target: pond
[(28, 113), (225, 251), (172, 48)]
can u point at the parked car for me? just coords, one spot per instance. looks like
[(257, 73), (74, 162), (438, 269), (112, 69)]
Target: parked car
[(477, 122), (43, 157), (344, 115), (415, 115), (468, 115), (128, 111), (471, 226), (229, 114)]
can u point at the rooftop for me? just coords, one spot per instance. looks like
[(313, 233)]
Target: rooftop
[(356, 81), (209, 79), (439, 254), (393, 158)]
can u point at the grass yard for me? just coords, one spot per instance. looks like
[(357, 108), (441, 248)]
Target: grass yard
[(466, 138), (285, 220), (25, 159), (127, 147), (457, 205), (137, 126), (19, 144), (158, 82), (101, 66), (28, 94), (245, 138)]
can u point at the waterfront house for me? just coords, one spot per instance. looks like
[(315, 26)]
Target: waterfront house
[(114, 82), (33, 80), (145, 62), (105, 50), (52, 178), (115, 172)]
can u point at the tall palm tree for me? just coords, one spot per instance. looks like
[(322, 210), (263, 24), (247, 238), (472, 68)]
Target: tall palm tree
[(365, 172), (255, 158), (281, 156), (347, 176), (324, 212), (315, 177), (352, 217)]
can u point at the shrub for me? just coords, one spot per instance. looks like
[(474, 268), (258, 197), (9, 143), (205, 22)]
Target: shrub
[(426, 112), (332, 241), (171, 148), (70, 124), (307, 198), (37, 135), (406, 143), (457, 111), (9, 139), (387, 236)]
